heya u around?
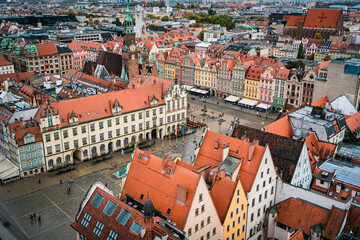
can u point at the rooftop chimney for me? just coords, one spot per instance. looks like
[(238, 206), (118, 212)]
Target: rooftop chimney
[(251, 150)]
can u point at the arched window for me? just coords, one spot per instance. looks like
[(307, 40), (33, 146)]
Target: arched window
[(67, 158), (51, 163), (102, 148), (141, 136), (93, 150), (133, 139), (58, 160), (118, 143), (85, 153), (173, 127), (126, 141)]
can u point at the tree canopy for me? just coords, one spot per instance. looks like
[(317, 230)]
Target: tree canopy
[(295, 64), (222, 20), (301, 52)]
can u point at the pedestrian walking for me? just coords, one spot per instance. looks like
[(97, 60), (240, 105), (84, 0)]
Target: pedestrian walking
[(31, 218), (39, 218), (60, 181), (34, 216), (39, 180), (257, 113)]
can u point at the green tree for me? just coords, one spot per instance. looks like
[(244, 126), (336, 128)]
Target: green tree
[(196, 25), (152, 16), (201, 35), (301, 53), (317, 36), (96, 22), (117, 22), (260, 19), (165, 19), (327, 58), (295, 64), (211, 12), (310, 57)]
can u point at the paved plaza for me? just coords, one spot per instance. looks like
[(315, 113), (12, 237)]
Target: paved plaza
[(58, 209)]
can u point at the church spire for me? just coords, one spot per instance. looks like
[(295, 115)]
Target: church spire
[(123, 72), (129, 24)]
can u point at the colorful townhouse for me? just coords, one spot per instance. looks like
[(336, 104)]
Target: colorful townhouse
[(266, 85), (224, 77), (279, 84), (238, 79), (252, 83), (206, 74), (188, 65)]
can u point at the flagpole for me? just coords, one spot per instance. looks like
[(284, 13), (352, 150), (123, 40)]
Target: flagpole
[(169, 141), (162, 140), (183, 133), (176, 137)]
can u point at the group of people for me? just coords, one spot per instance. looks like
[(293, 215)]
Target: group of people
[(33, 218)]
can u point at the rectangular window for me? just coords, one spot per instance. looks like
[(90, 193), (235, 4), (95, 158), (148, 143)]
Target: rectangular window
[(196, 227), (133, 128), (84, 141), (253, 202), (92, 127), (214, 231), (110, 208), (265, 194), (203, 208), (101, 125), (76, 143), (260, 198), (189, 232), (272, 190), (47, 137), (252, 217), (117, 121), (98, 228), (147, 113), (196, 212), (93, 138), (56, 136), (125, 130), (97, 200), (132, 117), (112, 235), (202, 224), (101, 136), (57, 147), (109, 134), (208, 220), (86, 219), (109, 123), (228, 228), (117, 132), (49, 150), (140, 115), (83, 129), (74, 131)]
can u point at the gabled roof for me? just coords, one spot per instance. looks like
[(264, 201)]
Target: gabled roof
[(321, 66), (162, 179), (322, 18), (110, 211), (353, 123), (353, 221), (282, 73), (280, 127), (299, 235), (254, 73), (4, 62), (285, 151), (297, 214), (100, 106), (221, 193), (46, 49), (294, 21), (322, 102), (19, 77)]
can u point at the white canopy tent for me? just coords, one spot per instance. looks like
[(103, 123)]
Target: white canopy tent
[(248, 102), (7, 169), (232, 99), (264, 106)]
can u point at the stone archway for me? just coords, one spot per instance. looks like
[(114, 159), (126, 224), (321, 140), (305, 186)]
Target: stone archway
[(111, 147), (147, 135), (154, 134), (77, 155)]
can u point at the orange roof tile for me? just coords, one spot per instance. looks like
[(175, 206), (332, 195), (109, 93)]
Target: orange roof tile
[(322, 18), (293, 21), (353, 123), (299, 214), (46, 49), (4, 62), (149, 173), (322, 102), (321, 66), (299, 235), (254, 73), (280, 127), (282, 73), (221, 193)]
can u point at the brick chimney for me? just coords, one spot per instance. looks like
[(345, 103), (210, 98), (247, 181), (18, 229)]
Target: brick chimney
[(251, 150)]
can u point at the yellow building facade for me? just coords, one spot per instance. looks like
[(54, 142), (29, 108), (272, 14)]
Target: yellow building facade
[(235, 219), (252, 83), (205, 75), (169, 71)]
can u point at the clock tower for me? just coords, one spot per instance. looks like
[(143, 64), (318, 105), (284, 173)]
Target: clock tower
[(129, 51)]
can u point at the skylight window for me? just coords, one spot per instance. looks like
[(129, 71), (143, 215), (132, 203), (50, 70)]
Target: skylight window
[(112, 235), (97, 200), (136, 228), (123, 216), (98, 228), (86, 219), (110, 208)]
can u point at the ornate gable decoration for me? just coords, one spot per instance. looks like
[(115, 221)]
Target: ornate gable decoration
[(73, 118), (116, 108), (49, 110), (154, 101)]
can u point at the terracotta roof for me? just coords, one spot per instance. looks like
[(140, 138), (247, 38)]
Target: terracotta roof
[(294, 21), (285, 151), (326, 150), (280, 127), (282, 73), (239, 149), (321, 102), (339, 46), (254, 73), (221, 193), (93, 46), (299, 235), (142, 81), (111, 223), (163, 179), (19, 77), (353, 123), (353, 221), (22, 128), (46, 49), (4, 62), (321, 66), (100, 106), (298, 214), (322, 18)]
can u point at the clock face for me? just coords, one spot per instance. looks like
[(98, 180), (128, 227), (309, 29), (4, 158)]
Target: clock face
[(132, 48), (124, 48)]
